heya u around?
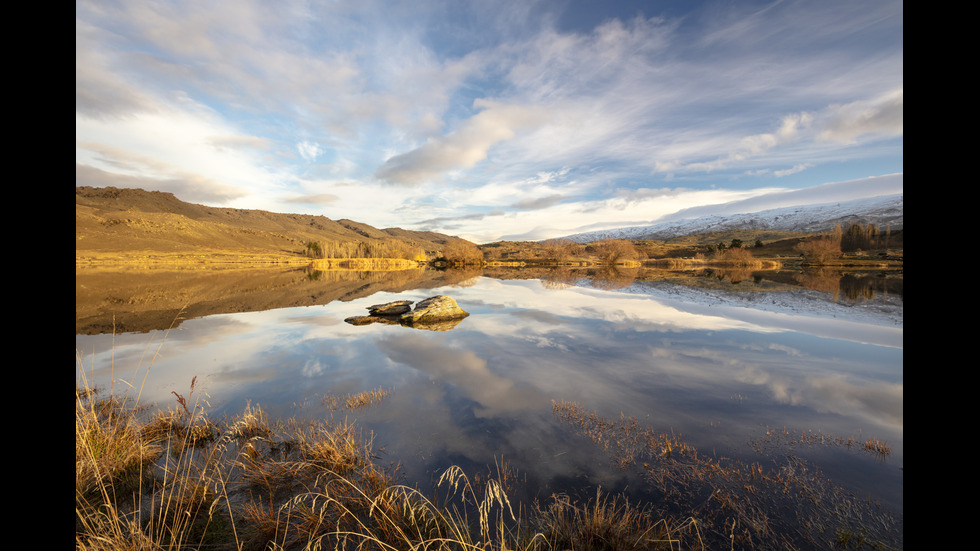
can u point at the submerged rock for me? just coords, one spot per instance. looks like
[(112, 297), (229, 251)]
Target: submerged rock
[(361, 320), (368, 320)]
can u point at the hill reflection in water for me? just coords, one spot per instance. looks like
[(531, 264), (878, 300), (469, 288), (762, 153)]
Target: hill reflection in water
[(716, 374)]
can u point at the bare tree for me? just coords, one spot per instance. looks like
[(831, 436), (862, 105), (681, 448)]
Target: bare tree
[(614, 251), (462, 252)]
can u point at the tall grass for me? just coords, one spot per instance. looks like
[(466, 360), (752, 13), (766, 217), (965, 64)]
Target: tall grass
[(147, 482), (154, 478)]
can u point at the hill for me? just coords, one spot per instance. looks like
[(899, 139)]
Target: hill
[(120, 224)]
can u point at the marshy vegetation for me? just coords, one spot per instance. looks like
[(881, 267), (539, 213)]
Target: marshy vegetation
[(173, 478), (778, 502)]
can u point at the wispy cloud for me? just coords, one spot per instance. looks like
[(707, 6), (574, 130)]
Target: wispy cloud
[(429, 114), (309, 151), (465, 147), (318, 199), (882, 116)]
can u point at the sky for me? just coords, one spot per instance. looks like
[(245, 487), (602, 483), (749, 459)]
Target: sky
[(491, 120)]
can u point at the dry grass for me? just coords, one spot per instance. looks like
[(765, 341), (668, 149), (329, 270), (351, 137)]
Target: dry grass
[(357, 400), (143, 483), (781, 438), (612, 523), (786, 505), (877, 447), (109, 450), (151, 481)]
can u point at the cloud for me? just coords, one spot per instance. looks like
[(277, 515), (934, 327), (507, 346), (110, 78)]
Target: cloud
[(490, 110), (495, 394), (793, 170), (882, 115), (309, 151), (791, 128), (222, 143), (538, 203), (315, 199), (465, 147), (101, 92), (453, 221), (188, 187), (125, 168)]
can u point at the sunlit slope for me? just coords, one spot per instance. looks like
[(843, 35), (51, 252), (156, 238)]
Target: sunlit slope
[(112, 220)]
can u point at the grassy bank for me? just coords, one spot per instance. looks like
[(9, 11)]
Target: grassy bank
[(173, 479), (184, 260)]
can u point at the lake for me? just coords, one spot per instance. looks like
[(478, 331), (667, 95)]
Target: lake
[(552, 375)]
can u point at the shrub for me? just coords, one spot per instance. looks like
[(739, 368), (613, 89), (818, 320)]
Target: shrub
[(821, 250), (614, 251)]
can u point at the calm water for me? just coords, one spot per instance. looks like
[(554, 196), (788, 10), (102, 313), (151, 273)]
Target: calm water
[(717, 372)]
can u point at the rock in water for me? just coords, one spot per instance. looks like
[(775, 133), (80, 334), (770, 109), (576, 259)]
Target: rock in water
[(434, 309), (361, 320), (438, 313), (396, 308)]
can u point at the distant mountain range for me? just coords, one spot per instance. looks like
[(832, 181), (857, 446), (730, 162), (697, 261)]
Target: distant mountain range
[(883, 211)]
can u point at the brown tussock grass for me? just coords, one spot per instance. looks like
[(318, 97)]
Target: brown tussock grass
[(787, 504), (610, 523), (877, 447), (253, 484), (356, 400), (784, 437)]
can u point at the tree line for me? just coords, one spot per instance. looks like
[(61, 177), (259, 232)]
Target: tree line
[(606, 251), (855, 237), (388, 248)]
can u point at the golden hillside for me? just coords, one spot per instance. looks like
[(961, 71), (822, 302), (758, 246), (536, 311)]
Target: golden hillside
[(113, 224)]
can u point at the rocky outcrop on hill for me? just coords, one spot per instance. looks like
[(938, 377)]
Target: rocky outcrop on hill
[(438, 313)]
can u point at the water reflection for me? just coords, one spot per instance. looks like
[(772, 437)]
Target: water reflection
[(681, 361)]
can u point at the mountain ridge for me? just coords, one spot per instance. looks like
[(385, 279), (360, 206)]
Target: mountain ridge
[(881, 210)]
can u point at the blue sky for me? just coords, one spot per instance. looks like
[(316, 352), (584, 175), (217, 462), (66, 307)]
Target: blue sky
[(491, 120)]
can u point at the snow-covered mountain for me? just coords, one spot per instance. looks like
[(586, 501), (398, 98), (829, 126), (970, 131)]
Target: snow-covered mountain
[(882, 210)]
